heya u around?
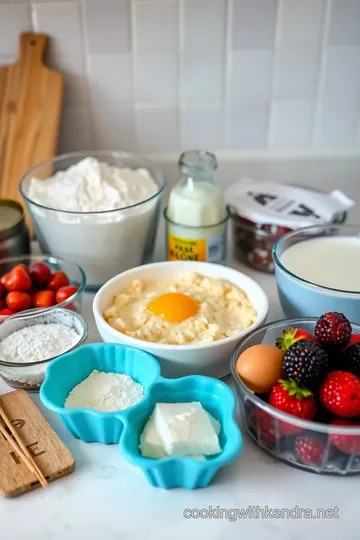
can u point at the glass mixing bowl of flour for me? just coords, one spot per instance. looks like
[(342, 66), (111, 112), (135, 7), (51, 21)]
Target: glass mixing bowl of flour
[(28, 342), (99, 209)]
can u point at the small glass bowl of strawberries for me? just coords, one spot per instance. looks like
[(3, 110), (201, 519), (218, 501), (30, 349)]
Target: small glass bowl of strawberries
[(298, 383), (39, 282)]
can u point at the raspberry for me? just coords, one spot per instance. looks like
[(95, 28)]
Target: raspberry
[(340, 394), (306, 362), (351, 359), (333, 329), (310, 449)]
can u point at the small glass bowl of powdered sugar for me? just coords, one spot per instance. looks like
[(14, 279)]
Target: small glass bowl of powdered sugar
[(29, 342)]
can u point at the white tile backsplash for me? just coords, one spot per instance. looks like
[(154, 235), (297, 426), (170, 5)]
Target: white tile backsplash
[(338, 123), (113, 128), (14, 18), (204, 25), (157, 128), (156, 26), (251, 74), (299, 83), (291, 124), (342, 73), (62, 21), (156, 78), (202, 126), (75, 129), (302, 22), (253, 24), (248, 124), (164, 75), (345, 23), (108, 26), (203, 75), (110, 78)]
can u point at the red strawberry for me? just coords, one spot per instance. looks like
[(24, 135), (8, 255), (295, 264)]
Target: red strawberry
[(294, 399), (340, 394), (345, 443), (333, 329), (290, 336), (310, 449), (263, 425)]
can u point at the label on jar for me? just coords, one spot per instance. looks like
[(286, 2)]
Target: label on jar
[(212, 249)]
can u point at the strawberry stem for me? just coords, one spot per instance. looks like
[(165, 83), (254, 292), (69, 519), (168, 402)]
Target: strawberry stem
[(297, 390)]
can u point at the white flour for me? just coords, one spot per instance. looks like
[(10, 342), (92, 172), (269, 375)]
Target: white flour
[(92, 186), (37, 342), (104, 244), (105, 392)]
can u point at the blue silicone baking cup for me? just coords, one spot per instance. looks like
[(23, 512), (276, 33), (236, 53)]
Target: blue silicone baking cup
[(125, 427), (70, 369)]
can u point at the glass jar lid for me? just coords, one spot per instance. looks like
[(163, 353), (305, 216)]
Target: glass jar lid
[(11, 214)]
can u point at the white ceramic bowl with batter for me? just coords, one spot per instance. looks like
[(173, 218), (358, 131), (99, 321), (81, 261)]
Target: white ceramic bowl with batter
[(212, 359)]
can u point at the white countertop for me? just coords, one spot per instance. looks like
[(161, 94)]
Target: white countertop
[(107, 498)]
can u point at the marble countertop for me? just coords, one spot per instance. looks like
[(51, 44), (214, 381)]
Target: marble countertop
[(107, 498)]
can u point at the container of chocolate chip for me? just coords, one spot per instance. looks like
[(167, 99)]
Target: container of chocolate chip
[(261, 212)]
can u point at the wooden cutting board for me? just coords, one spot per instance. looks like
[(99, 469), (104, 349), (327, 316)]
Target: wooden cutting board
[(31, 98), (49, 452)]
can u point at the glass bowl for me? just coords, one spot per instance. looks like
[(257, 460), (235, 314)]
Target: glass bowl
[(103, 243), (30, 375), (74, 272), (265, 424), (300, 297)]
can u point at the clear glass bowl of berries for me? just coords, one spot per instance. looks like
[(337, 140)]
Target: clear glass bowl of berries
[(298, 383), (39, 283)]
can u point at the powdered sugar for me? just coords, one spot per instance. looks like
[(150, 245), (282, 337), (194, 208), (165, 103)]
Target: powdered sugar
[(37, 342), (105, 392)]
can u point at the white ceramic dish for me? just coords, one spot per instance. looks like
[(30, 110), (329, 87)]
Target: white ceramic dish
[(212, 359)]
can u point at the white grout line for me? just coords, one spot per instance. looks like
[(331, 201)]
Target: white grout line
[(133, 70), (227, 72), (86, 60), (34, 18), (277, 41), (180, 95), (322, 71)]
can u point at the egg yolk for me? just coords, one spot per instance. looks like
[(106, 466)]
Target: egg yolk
[(173, 307)]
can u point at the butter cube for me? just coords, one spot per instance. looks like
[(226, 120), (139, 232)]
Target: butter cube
[(185, 429), (150, 442)]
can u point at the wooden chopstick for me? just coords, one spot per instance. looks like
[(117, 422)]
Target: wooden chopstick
[(20, 448)]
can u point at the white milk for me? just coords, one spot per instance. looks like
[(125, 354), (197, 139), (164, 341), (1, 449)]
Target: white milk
[(331, 261)]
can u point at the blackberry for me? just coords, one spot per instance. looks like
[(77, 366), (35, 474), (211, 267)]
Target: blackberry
[(306, 362), (351, 359), (333, 329)]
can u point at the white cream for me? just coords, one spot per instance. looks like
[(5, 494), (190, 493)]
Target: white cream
[(185, 429), (328, 261)]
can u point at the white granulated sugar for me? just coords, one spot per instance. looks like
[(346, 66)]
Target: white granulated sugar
[(105, 392), (92, 186), (37, 342)]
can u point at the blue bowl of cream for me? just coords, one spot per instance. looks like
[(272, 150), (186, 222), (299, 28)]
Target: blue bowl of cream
[(317, 270), (126, 427)]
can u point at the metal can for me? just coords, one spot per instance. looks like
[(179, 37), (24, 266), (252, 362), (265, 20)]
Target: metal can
[(14, 235)]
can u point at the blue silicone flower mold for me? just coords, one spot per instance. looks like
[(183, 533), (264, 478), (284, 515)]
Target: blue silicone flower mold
[(125, 427)]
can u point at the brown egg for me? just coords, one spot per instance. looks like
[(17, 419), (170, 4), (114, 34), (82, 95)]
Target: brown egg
[(259, 367)]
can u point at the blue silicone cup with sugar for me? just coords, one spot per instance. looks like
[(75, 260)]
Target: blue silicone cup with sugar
[(171, 472), (125, 427), (70, 369)]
